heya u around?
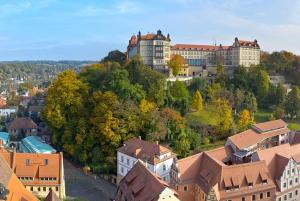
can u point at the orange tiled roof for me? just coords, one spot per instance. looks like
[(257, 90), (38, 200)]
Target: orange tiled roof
[(16, 189), (144, 150), (140, 184), (35, 166), (259, 133)]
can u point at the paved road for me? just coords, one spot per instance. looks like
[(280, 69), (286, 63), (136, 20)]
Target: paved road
[(86, 187)]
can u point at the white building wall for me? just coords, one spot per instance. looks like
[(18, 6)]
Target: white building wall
[(167, 194), (125, 163)]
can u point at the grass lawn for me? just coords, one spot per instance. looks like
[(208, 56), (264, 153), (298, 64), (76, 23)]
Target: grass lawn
[(262, 115), (294, 124), (206, 116), (213, 145)]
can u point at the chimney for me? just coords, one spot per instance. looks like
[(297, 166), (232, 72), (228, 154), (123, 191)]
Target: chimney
[(140, 138), (157, 142)]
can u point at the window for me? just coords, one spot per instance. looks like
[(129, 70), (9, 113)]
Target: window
[(253, 197), (44, 188), (185, 188), (291, 182), (31, 188), (128, 161), (122, 159), (56, 188), (296, 180), (122, 169), (268, 194), (284, 185), (177, 187), (293, 170), (46, 161), (288, 172), (243, 199), (285, 197), (261, 195), (250, 184), (291, 195), (164, 167), (27, 162), (39, 189), (296, 192), (279, 199)]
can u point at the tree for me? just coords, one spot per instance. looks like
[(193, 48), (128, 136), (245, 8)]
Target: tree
[(176, 63), (292, 105), (180, 96), (152, 81), (147, 106), (182, 144), (115, 56), (262, 85), (197, 102), (225, 124), (221, 77), (279, 113), (245, 120), (240, 78)]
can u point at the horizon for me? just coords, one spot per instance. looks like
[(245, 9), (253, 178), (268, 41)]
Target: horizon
[(88, 30)]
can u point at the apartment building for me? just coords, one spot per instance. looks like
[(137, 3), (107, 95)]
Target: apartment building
[(283, 163), (140, 184), (154, 49), (158, 159), (39, 173), (208, 177), (260, 136)]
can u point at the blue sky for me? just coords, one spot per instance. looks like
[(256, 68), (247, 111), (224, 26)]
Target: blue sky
[(88, 29)]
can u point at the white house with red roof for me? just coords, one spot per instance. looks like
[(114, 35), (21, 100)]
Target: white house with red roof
[(158, 159)]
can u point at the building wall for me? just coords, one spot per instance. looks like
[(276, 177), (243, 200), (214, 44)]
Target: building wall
[(167, 194), (125, 163), (289, 182), (43, 190)]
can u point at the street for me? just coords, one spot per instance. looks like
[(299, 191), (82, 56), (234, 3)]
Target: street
[(86, 188)]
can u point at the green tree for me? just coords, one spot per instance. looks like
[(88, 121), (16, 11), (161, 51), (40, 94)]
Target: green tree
[(221, 76), (279, 113), (176, 63), (180, 96), (182, 144), (115, 56), (197, 103), (292, 105)]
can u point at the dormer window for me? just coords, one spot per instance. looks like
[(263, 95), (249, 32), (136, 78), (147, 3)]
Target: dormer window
[(237, 187), (27, 162), (265, 181)]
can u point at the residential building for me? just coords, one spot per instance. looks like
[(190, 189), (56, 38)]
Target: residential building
[(154, 49), (283, 163), (52, 196), (3, 102), (34, 144), (8, 111), (11, 189), (158, 159), (140, 184), (39, 173), (208, 176), (22, 127), (260, 136)]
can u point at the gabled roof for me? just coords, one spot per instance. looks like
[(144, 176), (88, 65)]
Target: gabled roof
[(144, 150), (258, 133), (140, 185), (277, 158), (22, 123)]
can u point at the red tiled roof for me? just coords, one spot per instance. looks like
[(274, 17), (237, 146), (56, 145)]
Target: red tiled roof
[(140, 184), (144, 150), (22, 123), (251, 136)]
